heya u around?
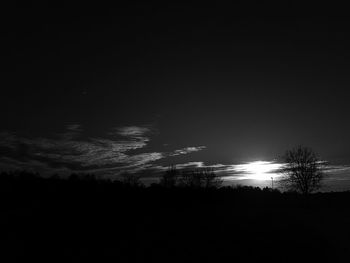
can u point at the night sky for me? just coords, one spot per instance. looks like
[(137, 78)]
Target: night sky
[(138, 87)]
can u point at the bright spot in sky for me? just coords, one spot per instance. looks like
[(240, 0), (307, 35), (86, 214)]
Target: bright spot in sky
[(259, 170)]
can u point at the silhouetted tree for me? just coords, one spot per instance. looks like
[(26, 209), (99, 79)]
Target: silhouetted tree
[(303, 171), (89, 177), (170, 177), (210, 178), (205, 177), (191, 178), (131, 179)]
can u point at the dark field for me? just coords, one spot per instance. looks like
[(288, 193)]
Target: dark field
[(53, 220)]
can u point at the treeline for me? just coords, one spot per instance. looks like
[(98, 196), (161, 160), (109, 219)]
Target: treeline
[(174, 187), (190, 184), (204, 178), (172, 177)]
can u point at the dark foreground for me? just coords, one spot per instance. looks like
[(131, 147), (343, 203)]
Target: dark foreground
[(87, 221)]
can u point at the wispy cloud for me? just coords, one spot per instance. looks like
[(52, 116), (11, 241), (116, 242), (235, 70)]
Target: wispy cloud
[(71, 151), (132, 131), (187, 150)]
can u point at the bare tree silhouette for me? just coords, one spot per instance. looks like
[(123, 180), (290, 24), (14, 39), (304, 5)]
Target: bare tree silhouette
[(205, 177), (191, 178), (210, 178), (303, 170), (131, 179), (170, 177)]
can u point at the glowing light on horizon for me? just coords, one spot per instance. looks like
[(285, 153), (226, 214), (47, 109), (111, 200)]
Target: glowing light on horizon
[(259, 170)]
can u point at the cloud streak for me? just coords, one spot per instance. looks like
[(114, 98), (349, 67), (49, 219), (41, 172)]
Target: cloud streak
[(187, 150), (71, 151)]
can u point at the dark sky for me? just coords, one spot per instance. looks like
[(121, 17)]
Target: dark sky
[(238, 83)]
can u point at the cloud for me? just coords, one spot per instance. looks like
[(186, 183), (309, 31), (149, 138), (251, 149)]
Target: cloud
[(187, 150), (196, 165), (71, 151), (235, 172), (74, 127), (133, 131)]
